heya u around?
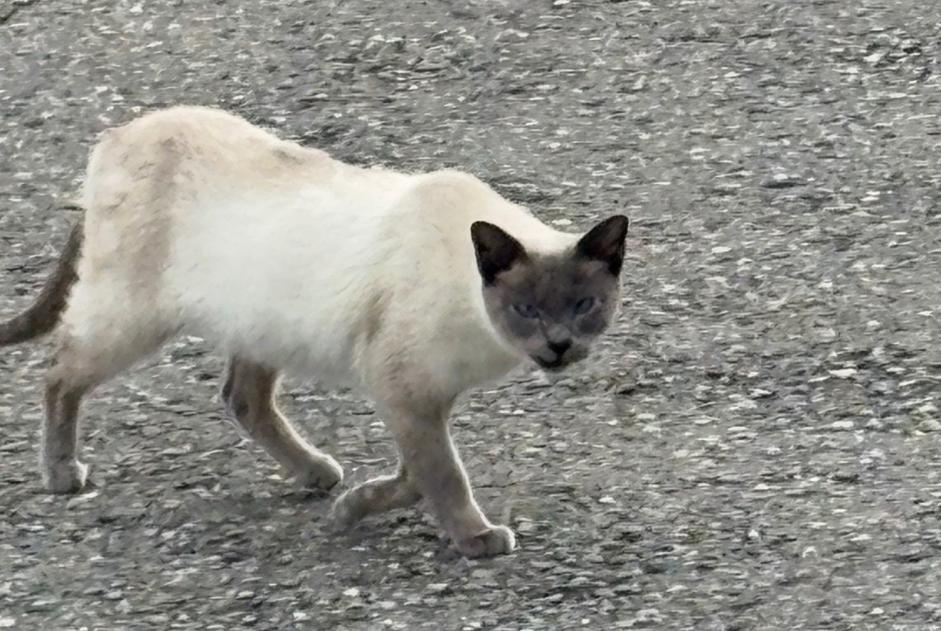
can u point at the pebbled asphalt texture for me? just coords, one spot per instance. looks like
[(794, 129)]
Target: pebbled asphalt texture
[(754, 446)]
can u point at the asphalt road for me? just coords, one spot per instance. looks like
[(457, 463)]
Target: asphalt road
[(756, 444)]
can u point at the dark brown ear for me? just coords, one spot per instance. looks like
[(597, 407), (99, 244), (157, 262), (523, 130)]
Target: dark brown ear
[(496, 250), (605, 242)]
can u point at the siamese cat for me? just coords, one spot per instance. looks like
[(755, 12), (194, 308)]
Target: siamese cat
[(413, 288)]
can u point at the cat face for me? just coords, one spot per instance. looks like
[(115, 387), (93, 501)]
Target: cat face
[(551, 307)]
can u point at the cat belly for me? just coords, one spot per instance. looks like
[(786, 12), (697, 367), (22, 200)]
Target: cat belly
[(279, 340)]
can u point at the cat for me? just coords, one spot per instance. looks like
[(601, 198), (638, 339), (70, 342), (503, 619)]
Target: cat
[(412, 287)]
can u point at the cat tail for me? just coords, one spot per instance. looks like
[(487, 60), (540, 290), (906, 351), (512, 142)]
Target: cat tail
[(43, 315)]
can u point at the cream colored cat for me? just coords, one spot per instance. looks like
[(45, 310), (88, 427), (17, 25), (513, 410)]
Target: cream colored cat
[(410, 287)]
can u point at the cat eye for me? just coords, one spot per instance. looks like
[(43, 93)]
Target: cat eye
[(584, 305), (526, 311)]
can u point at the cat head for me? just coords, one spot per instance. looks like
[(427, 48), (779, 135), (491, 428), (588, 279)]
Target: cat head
[(551, 307)]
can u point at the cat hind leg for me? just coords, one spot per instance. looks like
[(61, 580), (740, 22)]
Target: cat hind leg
[(86, 356), (249, 395)]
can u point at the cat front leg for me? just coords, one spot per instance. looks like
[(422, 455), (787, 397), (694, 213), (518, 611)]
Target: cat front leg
[(377, 495), (428, 454)]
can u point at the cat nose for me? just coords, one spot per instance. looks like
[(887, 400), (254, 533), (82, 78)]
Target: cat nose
[(560, 347)]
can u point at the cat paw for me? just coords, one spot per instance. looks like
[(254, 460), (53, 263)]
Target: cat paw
[(323, 474), (66, 477), (491, 542), (345, 512)]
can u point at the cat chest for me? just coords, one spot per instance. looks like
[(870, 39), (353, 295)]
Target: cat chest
[(471, 360)]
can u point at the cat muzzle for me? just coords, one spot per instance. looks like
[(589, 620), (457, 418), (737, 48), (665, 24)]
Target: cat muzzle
[(558, 363)]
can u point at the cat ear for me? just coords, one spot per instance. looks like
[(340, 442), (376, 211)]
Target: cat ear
[(496, 250), (605, 242)]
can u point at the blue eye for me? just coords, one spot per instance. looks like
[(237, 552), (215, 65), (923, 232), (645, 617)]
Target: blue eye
[(584, 305), (526, 311)]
